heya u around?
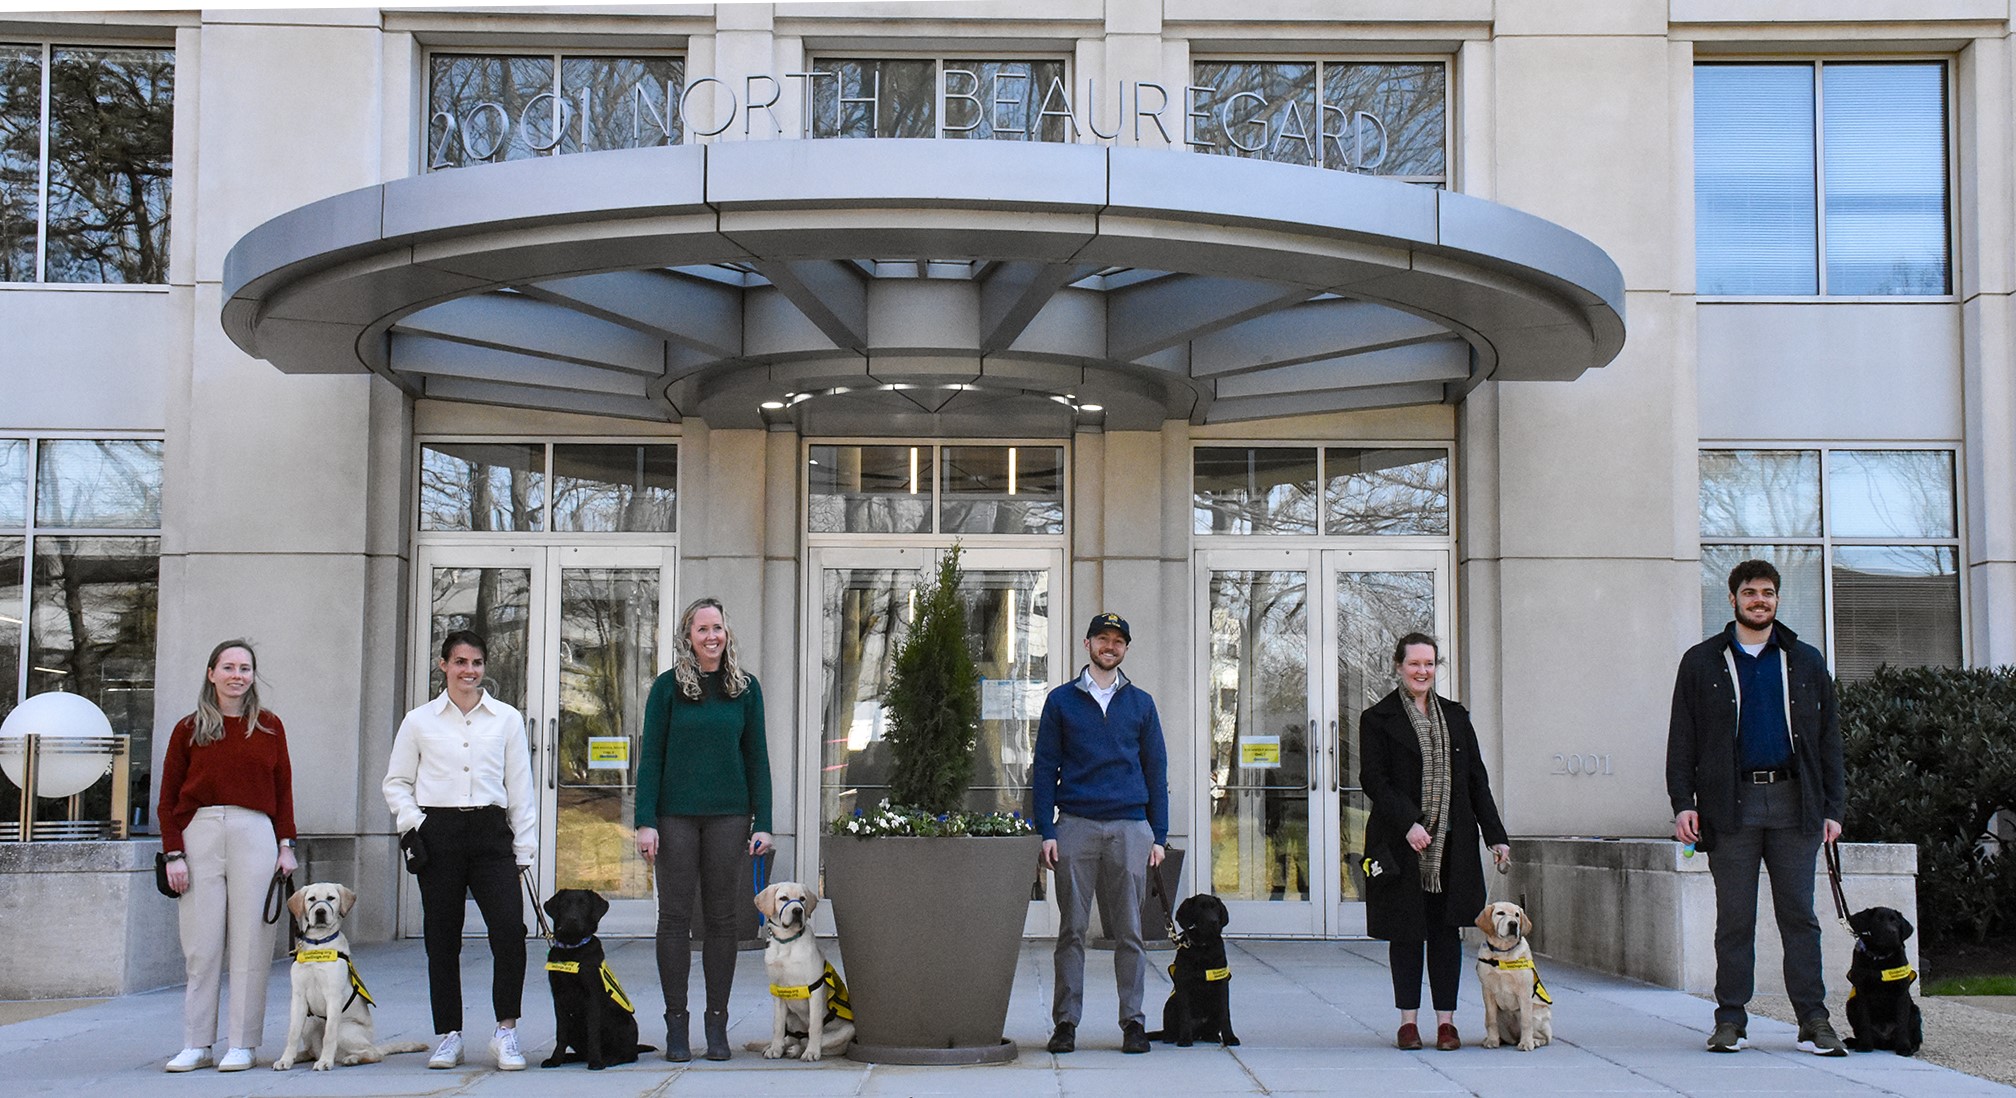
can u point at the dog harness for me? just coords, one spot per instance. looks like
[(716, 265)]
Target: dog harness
[(1212, 975), (611, 986), (1518, 964), (318, 956), (837, 1003)]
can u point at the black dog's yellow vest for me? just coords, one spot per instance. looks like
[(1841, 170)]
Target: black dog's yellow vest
[(610, 983)]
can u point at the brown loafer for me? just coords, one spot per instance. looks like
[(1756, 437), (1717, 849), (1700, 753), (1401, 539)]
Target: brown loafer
[(1409, 1038), (1446, 1039)]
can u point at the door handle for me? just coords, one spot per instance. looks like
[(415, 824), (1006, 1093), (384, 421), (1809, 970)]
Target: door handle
[(1335, 783), (553, 754), (1313, 777)]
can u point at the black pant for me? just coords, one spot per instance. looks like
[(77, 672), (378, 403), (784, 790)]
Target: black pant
[(1445, 959), (469, 853), (707, 849)]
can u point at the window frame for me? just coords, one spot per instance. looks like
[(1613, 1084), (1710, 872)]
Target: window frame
[(424, 155), (932, 457), (1950, 136), (1322, 534), (939, 58), (1827, 541), (1450, 165), (49, 46), (545, 535)]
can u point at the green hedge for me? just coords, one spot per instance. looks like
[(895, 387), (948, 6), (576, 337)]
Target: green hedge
[(1931, 755)]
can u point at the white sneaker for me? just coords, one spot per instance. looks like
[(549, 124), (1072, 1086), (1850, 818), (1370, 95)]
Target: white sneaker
[(238, 1059), (504, 1046), (189, 1059), (448, 1053)]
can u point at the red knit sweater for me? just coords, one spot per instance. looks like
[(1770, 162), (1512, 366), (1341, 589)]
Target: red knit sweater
[(248, 771)]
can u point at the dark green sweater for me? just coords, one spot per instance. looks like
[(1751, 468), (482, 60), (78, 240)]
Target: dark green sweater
[(703, 758)]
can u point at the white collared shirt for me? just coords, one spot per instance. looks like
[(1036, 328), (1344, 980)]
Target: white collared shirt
[(1102, 694), (445, 758)]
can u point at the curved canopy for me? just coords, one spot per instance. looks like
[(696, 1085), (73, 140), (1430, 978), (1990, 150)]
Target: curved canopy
[(921, 286)]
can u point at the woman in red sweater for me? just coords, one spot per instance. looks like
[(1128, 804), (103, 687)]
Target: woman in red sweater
[(227, 827)]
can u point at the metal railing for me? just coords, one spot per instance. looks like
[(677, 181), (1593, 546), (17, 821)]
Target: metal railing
[(31, 750)]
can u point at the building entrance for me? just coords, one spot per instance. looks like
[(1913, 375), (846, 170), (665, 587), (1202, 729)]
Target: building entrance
[(1296, 643), (576, 638), (860, 612)]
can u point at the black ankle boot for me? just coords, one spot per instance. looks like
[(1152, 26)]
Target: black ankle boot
[(677, 1048), (717, 1034)]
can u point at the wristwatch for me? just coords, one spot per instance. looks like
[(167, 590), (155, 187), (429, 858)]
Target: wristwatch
[(288, 843)]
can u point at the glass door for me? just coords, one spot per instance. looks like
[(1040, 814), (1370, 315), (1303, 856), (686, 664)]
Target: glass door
[(574, 636), (860, 613), (1282, 816)]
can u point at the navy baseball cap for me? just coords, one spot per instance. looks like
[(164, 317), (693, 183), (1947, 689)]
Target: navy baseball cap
[(1115, 622)]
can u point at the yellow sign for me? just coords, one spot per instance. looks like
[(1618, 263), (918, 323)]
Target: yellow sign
[(563, 966), (1216, 974), (1514, 964), (1892, 975), (315, 956), (608, 753), (1260, 751), (791, 992)]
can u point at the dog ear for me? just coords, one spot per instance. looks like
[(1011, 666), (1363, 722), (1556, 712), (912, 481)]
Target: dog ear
[(547, 907), (601, 904), (1904, 928), (1224, 913), (1525, 923), (1484, 922), (811, 902), (766, 902), (297, 904), (345, 900), (1186, 911), (1859, 921)]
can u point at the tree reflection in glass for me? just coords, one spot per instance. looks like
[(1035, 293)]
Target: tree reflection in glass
[(111, 144), (474, 104), (1011, 98), (1760, 493), (1254, 490), (1890, 493), (1386, 491), (482, 486), (98, 483), (20, 160)]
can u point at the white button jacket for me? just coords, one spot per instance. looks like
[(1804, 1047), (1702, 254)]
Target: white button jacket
[(445, 758)]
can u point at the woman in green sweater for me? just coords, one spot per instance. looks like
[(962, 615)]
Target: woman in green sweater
[(703, 777)]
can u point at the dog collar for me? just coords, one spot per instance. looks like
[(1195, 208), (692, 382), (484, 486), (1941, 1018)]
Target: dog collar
[(776, 937), (558, 944), (321, 941)]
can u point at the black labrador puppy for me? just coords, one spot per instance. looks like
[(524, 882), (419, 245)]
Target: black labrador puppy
[(591, 1015), (1881, 1011), (1200, 1003)]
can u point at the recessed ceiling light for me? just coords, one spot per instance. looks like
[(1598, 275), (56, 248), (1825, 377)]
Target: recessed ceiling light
[(1091, 407), (772, 405)]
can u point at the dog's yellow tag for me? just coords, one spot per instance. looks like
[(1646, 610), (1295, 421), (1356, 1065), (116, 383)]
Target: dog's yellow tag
[(790, 992), (615, 989), (315, 956), (1515, 963), (563, 966), (1892, 975), (1216, 974)]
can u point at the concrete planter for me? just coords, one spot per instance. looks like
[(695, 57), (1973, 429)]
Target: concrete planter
[(930, 930)]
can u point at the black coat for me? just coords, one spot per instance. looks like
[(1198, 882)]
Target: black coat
[(1701, 751), (1390, 773)]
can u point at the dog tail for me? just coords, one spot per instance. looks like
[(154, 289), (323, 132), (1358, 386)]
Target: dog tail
[(642, 1049), (395, 1047)]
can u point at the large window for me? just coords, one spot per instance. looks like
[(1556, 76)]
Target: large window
[(510, 486), (80, 546), (1001, 100), (931, 489), (1821, 178), (487, 108), (86, 137), (1388, 118), (1335, 490), (1867, 541)]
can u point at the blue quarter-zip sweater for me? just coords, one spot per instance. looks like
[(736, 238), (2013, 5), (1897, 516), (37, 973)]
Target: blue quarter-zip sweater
[(1101, 766), (1764, 743)]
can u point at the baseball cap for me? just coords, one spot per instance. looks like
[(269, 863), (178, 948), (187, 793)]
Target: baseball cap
[(1114, 622)]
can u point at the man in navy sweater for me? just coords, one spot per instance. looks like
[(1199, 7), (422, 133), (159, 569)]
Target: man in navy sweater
[(1101, 764)]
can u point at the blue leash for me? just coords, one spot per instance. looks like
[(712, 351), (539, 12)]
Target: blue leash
[(762, 876)]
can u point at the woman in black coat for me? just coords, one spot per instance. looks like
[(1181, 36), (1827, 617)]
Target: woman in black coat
[(1420, 766)]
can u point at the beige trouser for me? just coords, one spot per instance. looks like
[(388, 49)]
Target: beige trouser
[(231, 853)]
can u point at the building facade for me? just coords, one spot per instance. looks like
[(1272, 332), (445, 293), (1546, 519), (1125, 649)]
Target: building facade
[(1279, 328)]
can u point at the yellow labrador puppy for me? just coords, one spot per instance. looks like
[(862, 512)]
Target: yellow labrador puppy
[(329, 1014), (1517, 1007), (813, 1016)]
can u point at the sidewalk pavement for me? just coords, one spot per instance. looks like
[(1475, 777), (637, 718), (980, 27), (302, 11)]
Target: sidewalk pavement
[(1315, 1017)]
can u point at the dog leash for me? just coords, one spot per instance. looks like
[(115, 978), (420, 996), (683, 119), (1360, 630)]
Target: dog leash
[(538, 912), (277, 892), (760, 873), (1158, 892), (1832, 851)]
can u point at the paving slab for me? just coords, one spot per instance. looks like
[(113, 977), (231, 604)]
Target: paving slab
[(1313, 1017)]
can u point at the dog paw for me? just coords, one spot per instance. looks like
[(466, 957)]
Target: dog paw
[(552, 1061), (596, 1065), (810, 1055), (1491, 1040), (282, 1064), (773, 1052), (1528, 1044), (1229, 1041), (323, 1065)]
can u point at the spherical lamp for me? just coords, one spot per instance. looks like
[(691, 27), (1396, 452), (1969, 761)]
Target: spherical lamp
[(57, 716)]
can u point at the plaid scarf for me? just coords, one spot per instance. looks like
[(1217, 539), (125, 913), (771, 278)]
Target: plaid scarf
[(1432, 733)]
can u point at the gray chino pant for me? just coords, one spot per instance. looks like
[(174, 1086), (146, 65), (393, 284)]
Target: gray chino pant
[(1108, 858), (1771, 833)]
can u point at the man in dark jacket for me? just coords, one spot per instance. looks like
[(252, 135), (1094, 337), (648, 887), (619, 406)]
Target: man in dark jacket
[(1101, 765), (1753, 767)]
